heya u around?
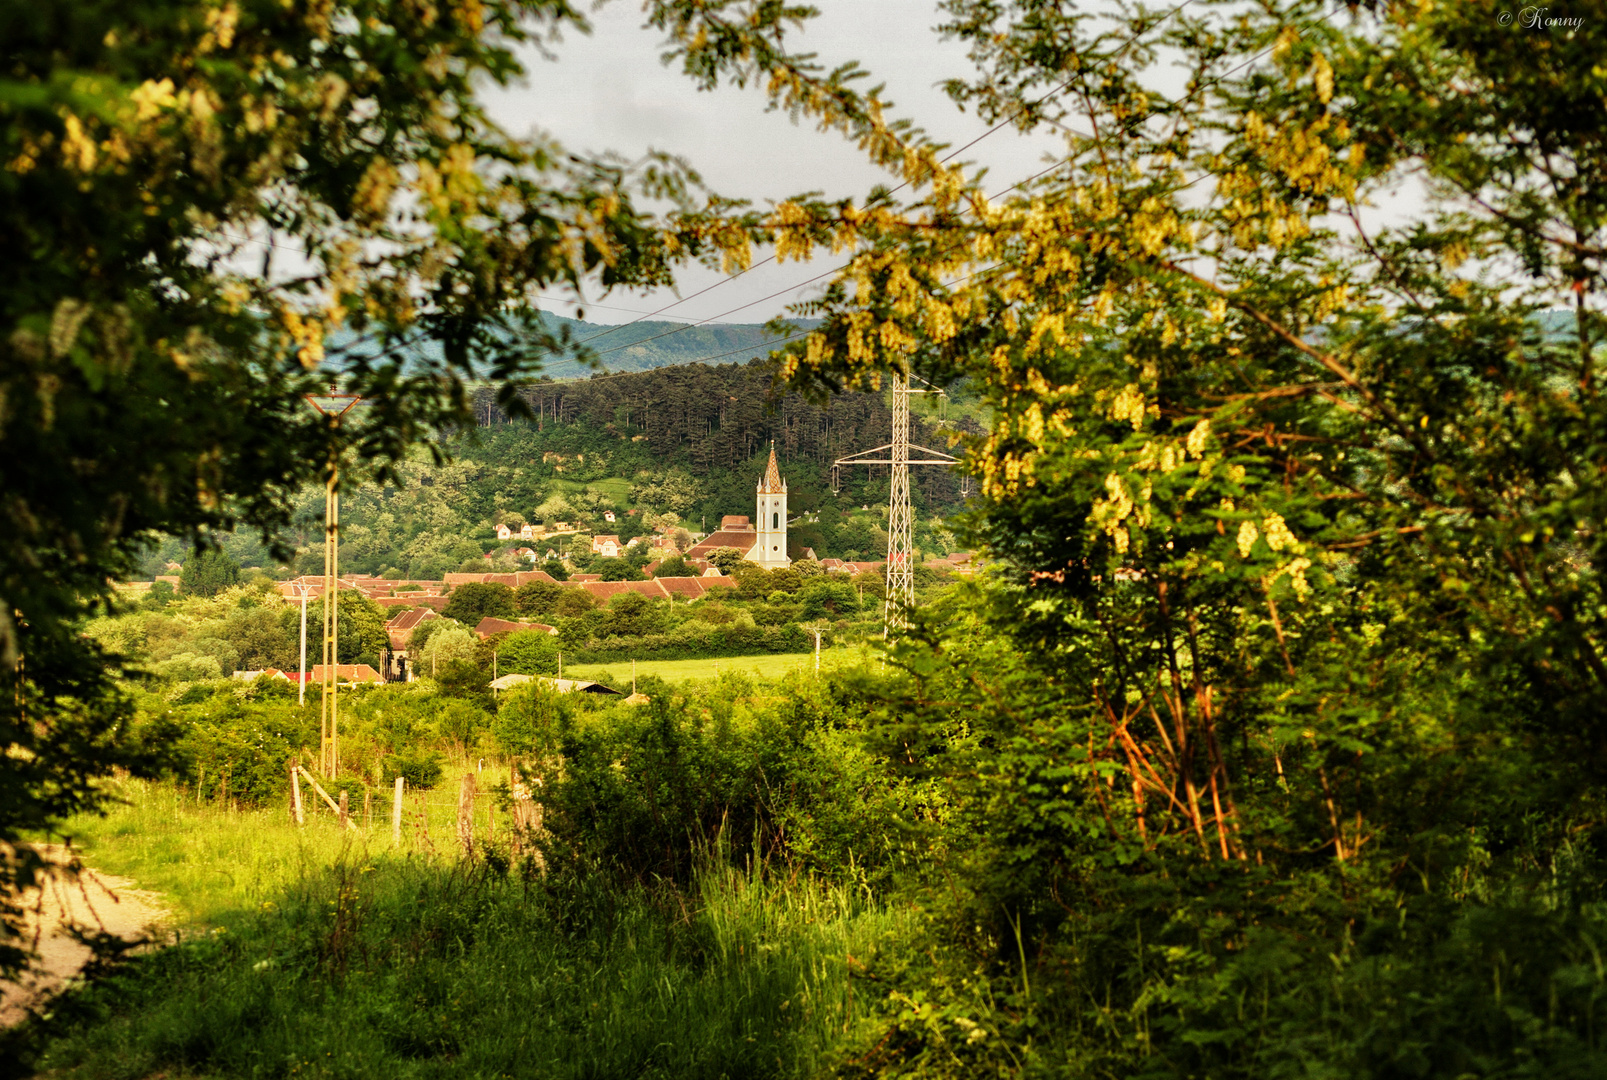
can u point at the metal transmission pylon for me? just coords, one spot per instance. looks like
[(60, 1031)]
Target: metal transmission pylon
[(900, 513)]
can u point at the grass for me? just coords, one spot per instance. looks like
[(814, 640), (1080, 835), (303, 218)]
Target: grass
[(769, 666), (309, 953)]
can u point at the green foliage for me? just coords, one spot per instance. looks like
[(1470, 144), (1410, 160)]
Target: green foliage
[(424, 631), (528, 652), (674, 566), (448, 644), (574, 603), (360, 634), (460, 723), (670, 491), (537, 597), (616, 570), (632, 615), (150, 390), (234, 749), (207, 572), (464, 679), (473, 601), (530, 719), (823, 596), (420, 767), (725, 559)]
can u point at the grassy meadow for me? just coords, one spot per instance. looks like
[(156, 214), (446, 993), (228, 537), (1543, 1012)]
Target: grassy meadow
[(768, 666), (665, 931), (305, 952)]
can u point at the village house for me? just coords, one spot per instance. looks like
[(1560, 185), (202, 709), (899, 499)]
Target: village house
[(606, 545)]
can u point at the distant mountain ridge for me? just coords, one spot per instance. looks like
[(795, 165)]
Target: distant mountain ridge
[(638, 346), (649, 344)]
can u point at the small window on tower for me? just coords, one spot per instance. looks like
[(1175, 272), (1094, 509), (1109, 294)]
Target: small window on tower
[(775, 521)]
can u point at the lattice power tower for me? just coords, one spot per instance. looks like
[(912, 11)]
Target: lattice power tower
[(900, 513)]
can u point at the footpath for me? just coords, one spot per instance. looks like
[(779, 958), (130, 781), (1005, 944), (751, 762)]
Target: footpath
[(92, 902)]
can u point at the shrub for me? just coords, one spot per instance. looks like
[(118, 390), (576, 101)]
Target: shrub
[(421, 768), (445, 647), (527, 652)]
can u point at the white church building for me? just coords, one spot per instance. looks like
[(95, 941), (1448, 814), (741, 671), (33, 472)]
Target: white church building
[(762, 540)]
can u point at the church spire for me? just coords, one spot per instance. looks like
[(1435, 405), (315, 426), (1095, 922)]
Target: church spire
[(772, 473)]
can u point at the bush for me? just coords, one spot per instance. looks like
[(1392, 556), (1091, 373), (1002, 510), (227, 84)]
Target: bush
[(527, 652), (530, 719), (445, 647), (421, 768), (189, 667)]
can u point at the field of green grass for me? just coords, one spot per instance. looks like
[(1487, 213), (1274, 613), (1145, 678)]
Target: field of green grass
[(617, 488), (306, 952), (770, 666)]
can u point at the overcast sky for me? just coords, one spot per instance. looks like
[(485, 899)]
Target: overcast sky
[(609, 91)]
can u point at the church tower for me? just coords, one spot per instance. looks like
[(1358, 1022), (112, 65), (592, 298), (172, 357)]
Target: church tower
[(771, 549)]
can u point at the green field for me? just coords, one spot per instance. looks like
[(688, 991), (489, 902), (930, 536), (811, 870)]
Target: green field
[(303, 952), (769, 666)]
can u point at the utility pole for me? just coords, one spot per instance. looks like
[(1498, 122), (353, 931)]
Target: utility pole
[(301, 689), (332, 406), (900, 568)]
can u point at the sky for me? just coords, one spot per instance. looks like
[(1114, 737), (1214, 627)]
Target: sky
[(609, 91)]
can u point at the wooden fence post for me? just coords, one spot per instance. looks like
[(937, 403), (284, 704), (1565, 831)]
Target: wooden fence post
[(345, 817), (396, 813), (324, 795), (295, 796), (466, 815), (368, 809), (518, 819)]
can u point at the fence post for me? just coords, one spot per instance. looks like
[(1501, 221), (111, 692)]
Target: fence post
[(518, 819), (368, 808), (466, 815), (295, 796), (345, 818), (396, 813)]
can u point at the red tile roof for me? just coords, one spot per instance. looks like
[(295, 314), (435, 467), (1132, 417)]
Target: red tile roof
[(725, 538), (689, 587), (401, 626), (488, 626), (407, 600), (607, 590), (346, 673)]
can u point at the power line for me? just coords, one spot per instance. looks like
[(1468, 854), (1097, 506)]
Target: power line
[(945, 159), (1131, 39)]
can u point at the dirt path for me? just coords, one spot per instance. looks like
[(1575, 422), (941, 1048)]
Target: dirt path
[(94, 902)]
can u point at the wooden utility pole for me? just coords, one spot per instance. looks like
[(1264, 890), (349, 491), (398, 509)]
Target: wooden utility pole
[(466, 815)]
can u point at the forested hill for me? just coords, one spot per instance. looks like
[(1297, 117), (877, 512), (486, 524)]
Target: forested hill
[(692, 439), (715, 419)]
